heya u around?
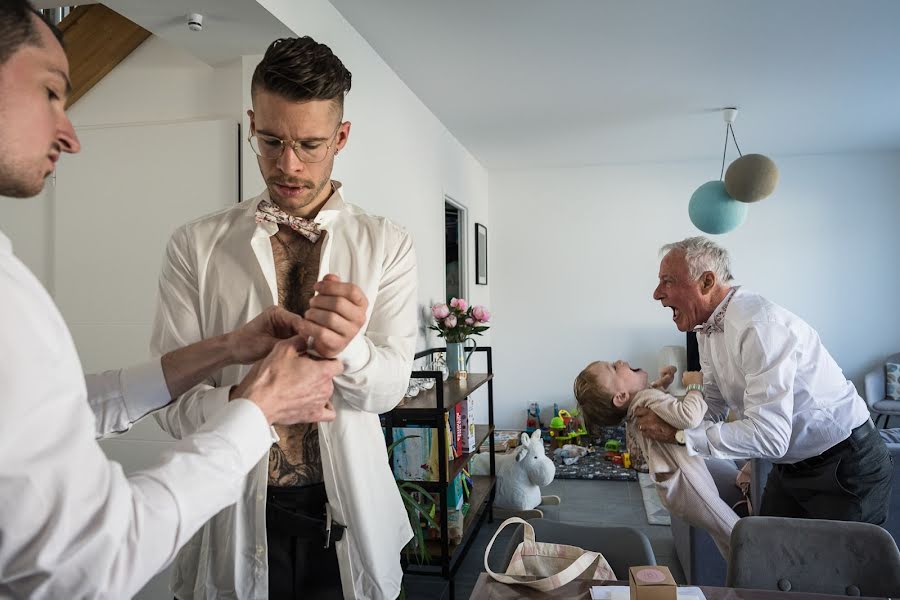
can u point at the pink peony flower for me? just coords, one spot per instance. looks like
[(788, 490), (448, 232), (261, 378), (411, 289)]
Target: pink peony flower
[(459, 303), (440, 311), (470, 321), (481, 313), (450, 322)]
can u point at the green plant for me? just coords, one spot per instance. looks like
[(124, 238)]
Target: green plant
[(415, 510)]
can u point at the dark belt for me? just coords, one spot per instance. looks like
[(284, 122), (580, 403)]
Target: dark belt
[(298, 518), (863, 431)]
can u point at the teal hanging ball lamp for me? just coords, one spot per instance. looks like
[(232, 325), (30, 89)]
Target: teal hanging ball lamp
[(713, 211)]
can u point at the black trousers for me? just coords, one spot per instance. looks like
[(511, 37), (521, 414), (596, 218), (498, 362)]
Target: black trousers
[(299, 564), (851, 481)]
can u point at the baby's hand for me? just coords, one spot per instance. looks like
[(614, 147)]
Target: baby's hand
[(666, 377), (692, 377)]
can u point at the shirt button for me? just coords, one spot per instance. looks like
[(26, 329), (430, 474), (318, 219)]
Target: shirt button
[(260, 550), (259, 497)]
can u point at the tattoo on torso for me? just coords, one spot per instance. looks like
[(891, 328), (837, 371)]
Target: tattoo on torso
[(296, 459)]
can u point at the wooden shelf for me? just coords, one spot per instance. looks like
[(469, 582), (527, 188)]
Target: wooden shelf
[(431, 409), (425, 405)]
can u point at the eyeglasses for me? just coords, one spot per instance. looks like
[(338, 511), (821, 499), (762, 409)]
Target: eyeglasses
[(308, 151)]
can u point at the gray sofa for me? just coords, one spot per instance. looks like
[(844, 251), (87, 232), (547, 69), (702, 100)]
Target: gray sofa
[(699, 558)]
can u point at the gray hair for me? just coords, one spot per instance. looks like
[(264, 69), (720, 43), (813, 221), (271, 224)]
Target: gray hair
[(703, 254)]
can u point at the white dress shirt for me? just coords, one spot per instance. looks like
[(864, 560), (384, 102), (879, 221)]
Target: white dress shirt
[(71, 524), (770, 369), (218, 273)]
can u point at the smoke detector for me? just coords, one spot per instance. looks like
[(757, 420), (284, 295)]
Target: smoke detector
[(195, 21)]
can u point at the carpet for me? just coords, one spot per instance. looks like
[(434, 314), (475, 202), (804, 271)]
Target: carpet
[(656, 512), (594, 465)]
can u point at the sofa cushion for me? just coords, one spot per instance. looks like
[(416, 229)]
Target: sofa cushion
[(889, 407), (892, 378), (891, 436)]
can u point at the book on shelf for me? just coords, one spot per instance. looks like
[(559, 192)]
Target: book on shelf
[(469, 444)]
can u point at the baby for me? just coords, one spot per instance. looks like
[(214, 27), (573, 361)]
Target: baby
[(609, 392)]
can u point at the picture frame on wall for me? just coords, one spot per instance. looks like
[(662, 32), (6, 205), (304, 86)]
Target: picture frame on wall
[(481, 268)]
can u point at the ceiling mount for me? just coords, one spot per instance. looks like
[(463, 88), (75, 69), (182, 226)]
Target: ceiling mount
[(729, 114)]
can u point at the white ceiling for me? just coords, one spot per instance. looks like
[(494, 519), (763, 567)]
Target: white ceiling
[(231, 28), (529, 84)]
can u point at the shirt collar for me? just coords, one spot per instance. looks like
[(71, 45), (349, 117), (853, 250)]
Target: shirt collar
[(716, 321)]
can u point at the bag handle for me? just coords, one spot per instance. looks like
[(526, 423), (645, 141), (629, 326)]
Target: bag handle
[(509, 521), (578, 566)]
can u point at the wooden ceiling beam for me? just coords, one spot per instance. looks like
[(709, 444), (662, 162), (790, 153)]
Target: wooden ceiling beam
[(96, 39)]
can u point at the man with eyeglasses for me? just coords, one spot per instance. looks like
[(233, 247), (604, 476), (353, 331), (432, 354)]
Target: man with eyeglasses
[(321, 517), (72, 525)]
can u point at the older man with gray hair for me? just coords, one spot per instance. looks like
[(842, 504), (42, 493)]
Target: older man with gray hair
[(792, 402)]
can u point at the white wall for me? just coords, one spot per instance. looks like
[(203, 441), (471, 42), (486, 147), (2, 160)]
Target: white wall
[(578, 286)]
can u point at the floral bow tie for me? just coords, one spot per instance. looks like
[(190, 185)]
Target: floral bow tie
[(266, 211), (714, 327)]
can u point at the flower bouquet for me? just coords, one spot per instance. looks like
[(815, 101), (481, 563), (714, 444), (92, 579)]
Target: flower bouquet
[(457, 322)]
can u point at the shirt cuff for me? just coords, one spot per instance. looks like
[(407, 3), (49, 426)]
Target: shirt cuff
[(246, 427), (696, 442), (356, 355), (144, 389)]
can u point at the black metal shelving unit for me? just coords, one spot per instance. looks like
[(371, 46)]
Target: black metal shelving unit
[(428, 408)]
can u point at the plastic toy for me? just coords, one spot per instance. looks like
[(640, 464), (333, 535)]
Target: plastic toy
[(558, 432), (613, 445), (533, 420), (566, 429), (570, 453)]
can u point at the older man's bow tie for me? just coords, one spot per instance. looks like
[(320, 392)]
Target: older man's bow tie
[(708, 328), (266, 211)]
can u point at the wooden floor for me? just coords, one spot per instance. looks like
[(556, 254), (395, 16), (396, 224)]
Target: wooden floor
[(585, 502)]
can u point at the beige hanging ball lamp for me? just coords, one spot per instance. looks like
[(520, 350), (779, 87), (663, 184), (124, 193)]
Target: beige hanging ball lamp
[(751, 177)]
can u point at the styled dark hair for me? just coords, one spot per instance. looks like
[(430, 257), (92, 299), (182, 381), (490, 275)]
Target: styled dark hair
[(302, 69), (17, 27)]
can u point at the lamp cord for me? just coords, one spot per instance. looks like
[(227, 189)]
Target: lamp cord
[(728, 128), (735, 140)]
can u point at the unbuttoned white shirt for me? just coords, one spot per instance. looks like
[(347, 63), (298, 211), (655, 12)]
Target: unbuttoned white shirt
[(71, 524), (770, 369), (218, 273)]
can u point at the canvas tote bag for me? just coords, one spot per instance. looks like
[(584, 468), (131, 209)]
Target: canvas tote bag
[(554, 565)]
